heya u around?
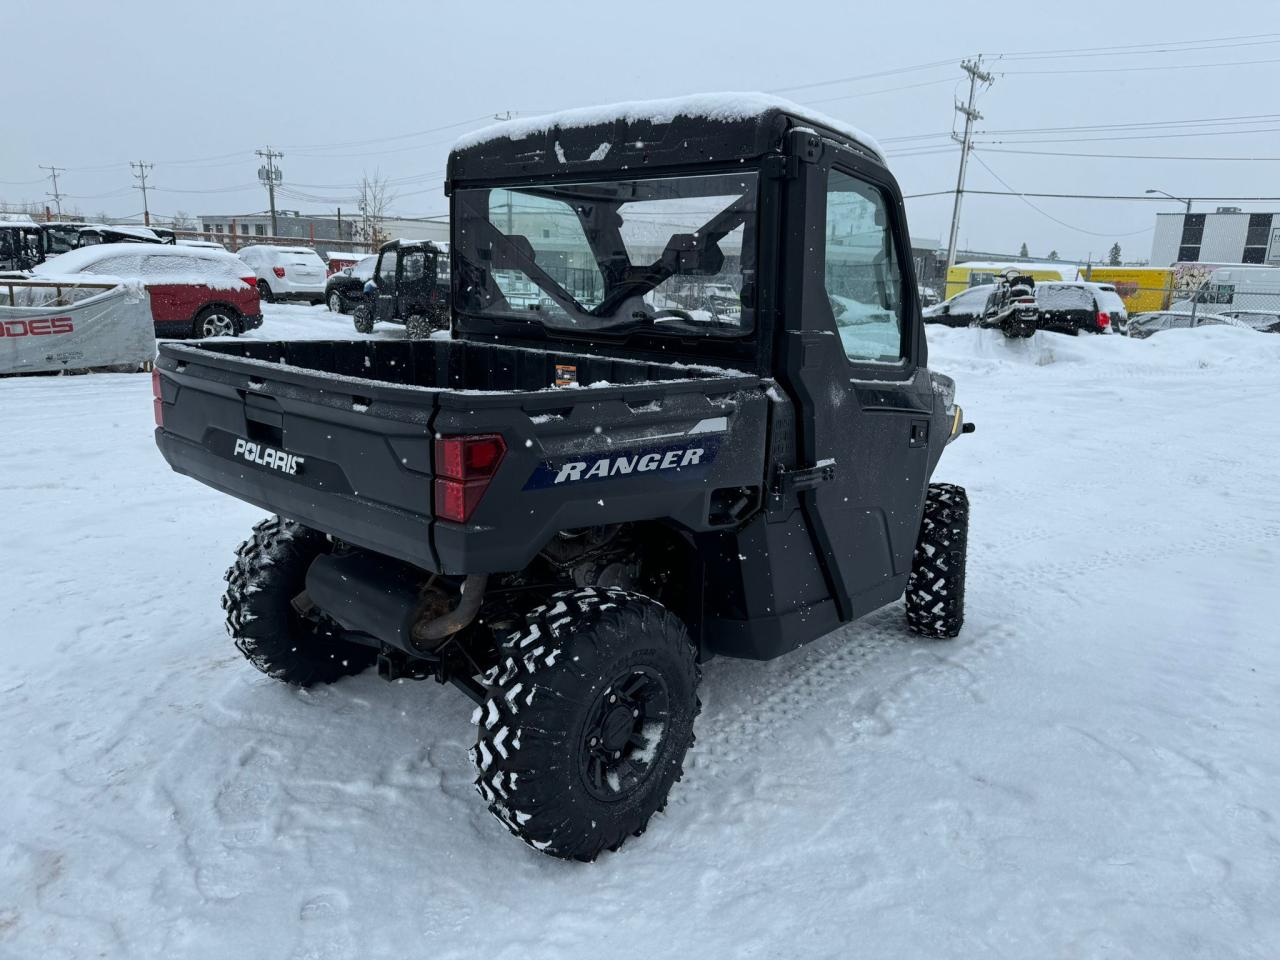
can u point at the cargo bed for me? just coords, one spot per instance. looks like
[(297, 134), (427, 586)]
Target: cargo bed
[(340, 435)]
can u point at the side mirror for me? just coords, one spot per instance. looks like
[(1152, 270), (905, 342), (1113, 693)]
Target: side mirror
[(945, 309)]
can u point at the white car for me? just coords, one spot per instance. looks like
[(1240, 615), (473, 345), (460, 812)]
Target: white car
[(286, 273)]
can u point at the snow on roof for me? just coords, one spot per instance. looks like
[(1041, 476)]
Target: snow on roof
[(82, 258), (1017, 265), (27, 224), (721, 107), (346, 255), (143, 233)]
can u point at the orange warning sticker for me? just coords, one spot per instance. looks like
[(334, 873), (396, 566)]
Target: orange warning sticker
[(566, 375)]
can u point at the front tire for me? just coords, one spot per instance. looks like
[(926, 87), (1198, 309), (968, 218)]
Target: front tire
[(935, 590), (362, 316), (587, 721), (269, 571), (335, 302)]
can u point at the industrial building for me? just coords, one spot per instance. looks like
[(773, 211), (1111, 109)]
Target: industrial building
[(1228, 235)]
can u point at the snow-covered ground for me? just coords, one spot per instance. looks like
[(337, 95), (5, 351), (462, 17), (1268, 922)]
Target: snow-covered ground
[(1091, 770)]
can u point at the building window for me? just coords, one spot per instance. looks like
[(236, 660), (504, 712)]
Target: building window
[(217, 228), (1188, 254), (1254, 255), (259, 229), (1259, 230), (1192, 230), (244, 228)]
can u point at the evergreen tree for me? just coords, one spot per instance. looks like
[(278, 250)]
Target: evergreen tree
[(1113, 257), (1053, 254), (1023, 251)]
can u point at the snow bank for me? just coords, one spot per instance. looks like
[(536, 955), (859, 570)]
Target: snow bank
[(1190, 349), (718, 107)]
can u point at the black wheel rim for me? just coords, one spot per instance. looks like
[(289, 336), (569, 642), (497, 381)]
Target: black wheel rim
[(625, 730)]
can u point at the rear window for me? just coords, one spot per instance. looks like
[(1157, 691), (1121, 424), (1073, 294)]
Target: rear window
[(1058, 296), (217, 271), (1110, 302)]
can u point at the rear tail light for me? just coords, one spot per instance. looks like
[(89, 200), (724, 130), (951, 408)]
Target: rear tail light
[(1104, 320), (464, 468), (156, 402), (278, 271), (251, 281)]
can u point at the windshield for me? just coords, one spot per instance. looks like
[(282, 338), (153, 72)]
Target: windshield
[(675, 253)]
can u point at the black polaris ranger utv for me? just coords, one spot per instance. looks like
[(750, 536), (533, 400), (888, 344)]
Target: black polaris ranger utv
[(410, 285), (596, 485)]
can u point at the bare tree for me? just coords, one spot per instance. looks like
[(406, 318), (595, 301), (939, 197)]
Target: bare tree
[(183, 221), (376, 198)]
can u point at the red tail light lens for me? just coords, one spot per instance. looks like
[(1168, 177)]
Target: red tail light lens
[(278, 271), (157, 403), (464, 467), (1104, 319), (250, 281)]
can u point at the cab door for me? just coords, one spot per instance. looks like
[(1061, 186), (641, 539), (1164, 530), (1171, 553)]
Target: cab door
[(857, 365), (414, 288), (384, 278)]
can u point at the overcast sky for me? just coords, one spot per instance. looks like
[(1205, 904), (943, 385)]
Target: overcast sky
[(347, 88)]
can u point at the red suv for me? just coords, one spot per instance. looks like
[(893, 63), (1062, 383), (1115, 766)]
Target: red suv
[(194, 291)]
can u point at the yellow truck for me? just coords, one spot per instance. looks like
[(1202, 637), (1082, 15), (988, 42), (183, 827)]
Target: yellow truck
[(1141, 288), (965, 275)]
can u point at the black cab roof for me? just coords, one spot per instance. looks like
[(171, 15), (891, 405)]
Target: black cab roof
[(710, 128)]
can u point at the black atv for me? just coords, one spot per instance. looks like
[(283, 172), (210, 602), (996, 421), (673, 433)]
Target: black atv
[(595, 486), (410, 285), (1013, 309)]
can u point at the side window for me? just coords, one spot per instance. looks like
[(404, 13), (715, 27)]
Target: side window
[(864, 280), (387, 269)]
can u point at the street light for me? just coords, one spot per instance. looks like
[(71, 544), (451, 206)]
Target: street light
[(1172, 197)]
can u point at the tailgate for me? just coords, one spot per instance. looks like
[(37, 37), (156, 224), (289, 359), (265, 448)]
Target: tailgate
[(336, 454)]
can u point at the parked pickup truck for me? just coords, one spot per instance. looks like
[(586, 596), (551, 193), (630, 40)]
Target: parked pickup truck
[(586, 493)]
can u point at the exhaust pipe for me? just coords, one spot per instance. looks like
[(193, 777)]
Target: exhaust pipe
[(385, 600)]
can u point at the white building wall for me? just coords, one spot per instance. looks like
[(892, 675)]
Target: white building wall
[(1165, 239), (1224, 235)]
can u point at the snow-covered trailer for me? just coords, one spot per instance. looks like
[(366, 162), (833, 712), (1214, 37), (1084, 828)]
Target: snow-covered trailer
[(50, 324)]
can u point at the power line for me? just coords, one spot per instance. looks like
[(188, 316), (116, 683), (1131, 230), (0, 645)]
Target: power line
[(1170, 66), (1049, 216), (864, 76), (1119, 156)]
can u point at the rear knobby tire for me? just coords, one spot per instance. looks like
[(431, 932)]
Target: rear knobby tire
[(935, 590), (418, 327), (549, 730), (269, 571)]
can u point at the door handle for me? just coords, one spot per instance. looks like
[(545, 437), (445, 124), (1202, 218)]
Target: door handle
[(919, 436)]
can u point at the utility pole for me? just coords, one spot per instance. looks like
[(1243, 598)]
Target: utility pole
[(270, 174), (976, 75), (57, 197), (140, 174)]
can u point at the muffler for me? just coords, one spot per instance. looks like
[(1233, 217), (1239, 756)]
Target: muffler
[(390, 602)]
